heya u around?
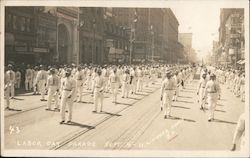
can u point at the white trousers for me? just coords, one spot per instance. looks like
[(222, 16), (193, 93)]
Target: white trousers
[(98, 99), (66, 101), (167, 102), (52, 93)]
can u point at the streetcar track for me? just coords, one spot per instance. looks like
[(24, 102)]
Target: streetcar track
[(80, 132), (31, 109), (106, 125)]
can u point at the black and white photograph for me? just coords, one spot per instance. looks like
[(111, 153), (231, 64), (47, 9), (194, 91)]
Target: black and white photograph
[(125, 78)]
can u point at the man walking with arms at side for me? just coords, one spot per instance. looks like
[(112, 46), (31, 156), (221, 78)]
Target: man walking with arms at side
[(167, 91), (212, 90), (68, 92)]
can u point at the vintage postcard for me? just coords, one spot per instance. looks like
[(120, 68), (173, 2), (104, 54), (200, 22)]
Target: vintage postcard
[(127, 78)]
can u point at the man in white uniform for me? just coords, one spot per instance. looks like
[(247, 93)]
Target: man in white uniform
[(68, 92), (98, 89), (12, 75), (212, 91), (41, 81), (167, 90), (114, 84), (201, 91), (53, 85)]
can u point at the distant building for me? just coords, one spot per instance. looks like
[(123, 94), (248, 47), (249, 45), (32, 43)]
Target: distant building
[(186, 40)]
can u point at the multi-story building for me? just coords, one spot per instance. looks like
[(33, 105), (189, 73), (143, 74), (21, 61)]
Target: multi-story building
[(91, 32), (116, 43), (186, 40), (20, 34), (155, 31), (231, 37)]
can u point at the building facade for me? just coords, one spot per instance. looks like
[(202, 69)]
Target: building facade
[(231, 37), (186, 40)]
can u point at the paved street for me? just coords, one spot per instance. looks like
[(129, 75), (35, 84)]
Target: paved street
[(134, 123)]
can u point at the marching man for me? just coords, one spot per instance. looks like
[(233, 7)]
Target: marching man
[(167, 90), (12, 75), (79, 83), (53, 84), (68, 92), (98, 89), (114, 84), (201, 90), (28, 78), (125, 83), (40, 81), (18, 78), (7, 89), (212, 91)]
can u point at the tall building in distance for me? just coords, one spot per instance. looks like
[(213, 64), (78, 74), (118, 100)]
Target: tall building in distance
[(186, 40), (231, 37)]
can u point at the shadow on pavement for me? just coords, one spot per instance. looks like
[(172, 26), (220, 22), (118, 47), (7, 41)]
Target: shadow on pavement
[(142, 94), (134, 98), (220, 105), (178, 118), (184, 96), (112, 114), (222, 121), (12, 109), (183, 107), (185, 101), (17, 98), (124, 103), (80, 125), (220, 110), (188, 91)]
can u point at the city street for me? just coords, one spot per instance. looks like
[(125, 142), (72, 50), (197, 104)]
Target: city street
[(134, 123)]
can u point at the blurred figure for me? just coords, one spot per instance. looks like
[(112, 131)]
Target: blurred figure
[(18, 78), (7, 88), (125, 84), (28, 78), (167, 90), (41, 81), (114, 84), (201, 91), (240, 133), (212, 90), (12, 81), (53, 84), (98, 89)]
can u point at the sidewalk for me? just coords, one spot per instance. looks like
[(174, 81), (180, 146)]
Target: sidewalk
[(40, 129)]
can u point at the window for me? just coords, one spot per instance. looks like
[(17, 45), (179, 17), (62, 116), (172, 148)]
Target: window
[(22, 24), (14, 23), (8, 21), (28, 25)]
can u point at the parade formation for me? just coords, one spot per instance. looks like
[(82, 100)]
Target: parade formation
[(124, 79)]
